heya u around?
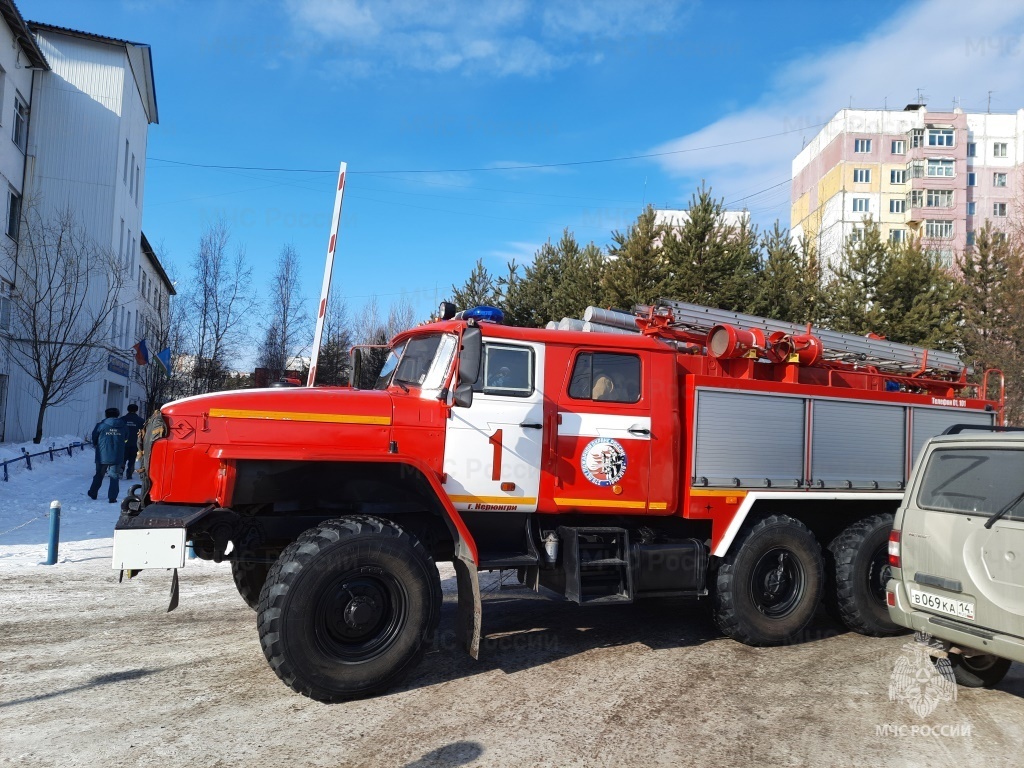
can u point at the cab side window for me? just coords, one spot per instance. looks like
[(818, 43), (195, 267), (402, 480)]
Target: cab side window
[(607, 377), (506, 371)]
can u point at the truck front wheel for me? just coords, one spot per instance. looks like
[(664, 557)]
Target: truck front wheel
[(348, 609), (768, 586), (860, 569)]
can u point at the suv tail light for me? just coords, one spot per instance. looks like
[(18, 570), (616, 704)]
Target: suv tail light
[(894, 549)]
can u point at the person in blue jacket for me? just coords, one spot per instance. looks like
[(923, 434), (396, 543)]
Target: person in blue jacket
[(132, 424), (108, 442)]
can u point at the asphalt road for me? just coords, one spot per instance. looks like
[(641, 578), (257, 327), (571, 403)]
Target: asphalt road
[(93, 673)]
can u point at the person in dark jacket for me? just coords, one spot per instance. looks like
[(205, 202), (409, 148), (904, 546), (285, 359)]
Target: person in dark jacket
[(108, 443), (132, 424)]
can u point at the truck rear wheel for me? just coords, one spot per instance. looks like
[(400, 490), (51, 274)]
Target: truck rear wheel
[(769, 585), (349, 608), (249, 577), (860, 569)]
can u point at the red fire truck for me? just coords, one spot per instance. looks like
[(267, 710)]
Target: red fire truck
[(675, 451)]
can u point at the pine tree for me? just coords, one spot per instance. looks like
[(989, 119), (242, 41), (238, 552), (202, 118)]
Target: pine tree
[(480, 289), (790, 287), (635, 272), (709, 261), (983, 270), (918, 298), (851, 292)]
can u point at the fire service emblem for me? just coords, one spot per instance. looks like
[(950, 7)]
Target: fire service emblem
[(604, 461)]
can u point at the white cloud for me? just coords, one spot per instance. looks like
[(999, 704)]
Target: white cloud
[(948, 48), (518, 251), (499, 37)]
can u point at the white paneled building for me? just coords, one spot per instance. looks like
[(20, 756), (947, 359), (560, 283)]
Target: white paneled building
[(20, 58), (91, 108)]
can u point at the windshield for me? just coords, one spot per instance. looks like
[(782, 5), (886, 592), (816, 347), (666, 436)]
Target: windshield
[(384, 379), (410, 362), (973, 480)]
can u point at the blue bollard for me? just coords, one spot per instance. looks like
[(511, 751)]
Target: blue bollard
[(51, 552), (191, 551)]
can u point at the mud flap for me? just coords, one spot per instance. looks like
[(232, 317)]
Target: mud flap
[(174, 592), (470, 612)]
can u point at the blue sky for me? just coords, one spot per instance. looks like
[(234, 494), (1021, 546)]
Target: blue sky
[(399, 85)]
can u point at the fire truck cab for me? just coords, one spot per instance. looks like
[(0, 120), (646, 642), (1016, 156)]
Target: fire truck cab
[(665, 452)]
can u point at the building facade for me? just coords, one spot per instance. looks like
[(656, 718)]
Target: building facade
[(20, 58), (84, 152), (934, 175)]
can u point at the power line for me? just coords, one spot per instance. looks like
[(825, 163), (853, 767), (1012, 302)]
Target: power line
[(523, 167)]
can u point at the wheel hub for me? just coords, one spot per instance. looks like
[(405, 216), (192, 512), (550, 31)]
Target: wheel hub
[(777, 583), (361, 611)]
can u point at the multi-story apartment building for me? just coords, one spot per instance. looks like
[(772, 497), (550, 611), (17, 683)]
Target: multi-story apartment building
[(20, 57), (91, 99), (937, 175)]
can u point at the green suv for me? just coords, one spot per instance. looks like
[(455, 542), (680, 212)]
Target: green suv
[(956, 551)]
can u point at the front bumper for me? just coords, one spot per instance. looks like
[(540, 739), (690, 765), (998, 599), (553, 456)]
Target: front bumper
[(950, 630), (155, 537)]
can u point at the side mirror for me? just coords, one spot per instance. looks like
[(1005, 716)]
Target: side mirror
[(469, 359), (469, 366), (356, 355)]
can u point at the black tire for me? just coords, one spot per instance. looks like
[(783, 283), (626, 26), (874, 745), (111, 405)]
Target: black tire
[(349, 608), (769, 585), (979, 671), (859, 569), (249, 578)]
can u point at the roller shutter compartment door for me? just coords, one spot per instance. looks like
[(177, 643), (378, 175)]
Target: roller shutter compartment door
[(749, 440), (929, 422), (858, 445)]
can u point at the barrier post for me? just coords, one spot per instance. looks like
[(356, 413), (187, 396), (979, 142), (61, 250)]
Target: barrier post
[(51, 552)]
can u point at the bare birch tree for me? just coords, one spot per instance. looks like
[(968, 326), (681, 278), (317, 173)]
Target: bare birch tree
[(66, 292), (287, 329), (217, 304)]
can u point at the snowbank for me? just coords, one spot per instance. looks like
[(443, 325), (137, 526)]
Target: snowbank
[(86, 526)]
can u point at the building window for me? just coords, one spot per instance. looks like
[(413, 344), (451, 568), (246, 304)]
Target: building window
[(972, 149), (13, 214), (945, 257), (972, 207), (897, 205), (941, 168), (897, 177), (940, 230), (939, 198), (999, 149), (131, 177), (861, 175), (897, 235), (940, 137), (125, 161), (972, 179), (136, 185), (916, 198), (862, 145), (971, 238), (604, 376), (20, 134), (916, 169), (917, 138), (857, 235), (899, 147), (998, 179), (860, 205), (999, 209)]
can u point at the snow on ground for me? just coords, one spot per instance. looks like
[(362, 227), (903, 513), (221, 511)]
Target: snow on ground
[(86, 526)]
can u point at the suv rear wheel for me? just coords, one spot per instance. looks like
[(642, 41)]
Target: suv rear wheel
[(982, 671), (859, 561)]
